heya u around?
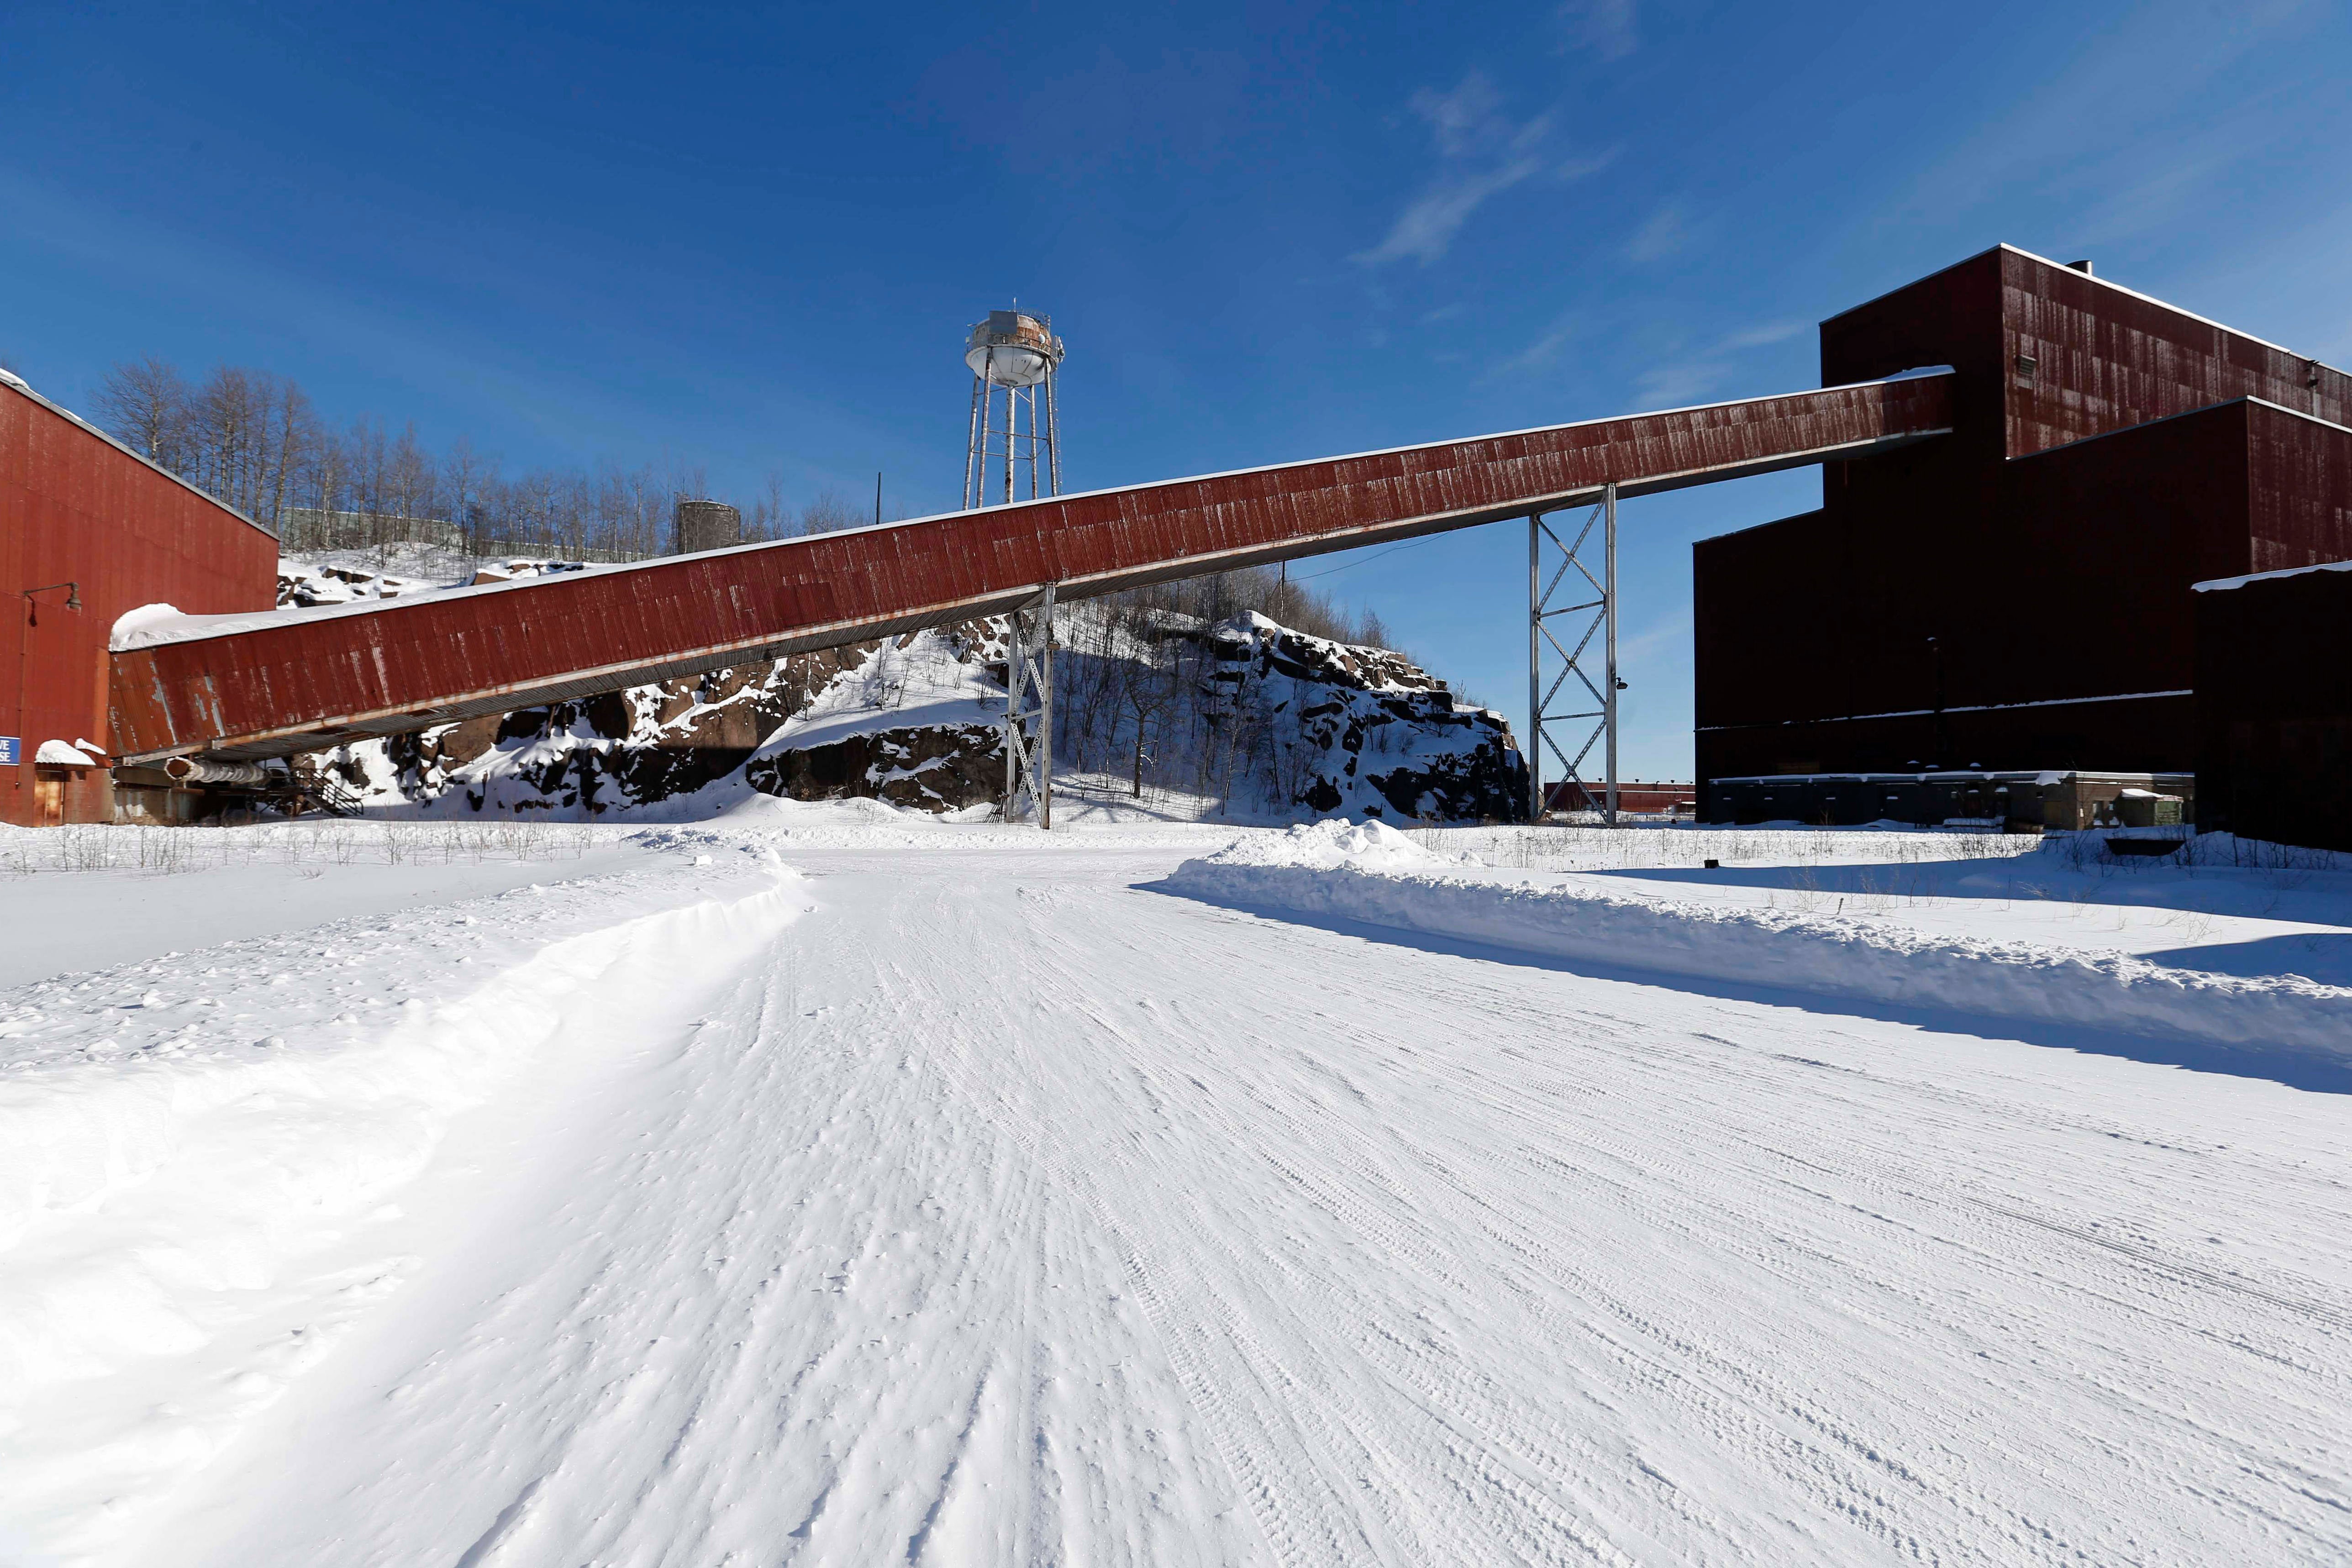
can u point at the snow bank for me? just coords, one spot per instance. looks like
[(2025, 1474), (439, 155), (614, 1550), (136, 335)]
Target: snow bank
[(1356, 874), (185, 1199), (1337, 844)]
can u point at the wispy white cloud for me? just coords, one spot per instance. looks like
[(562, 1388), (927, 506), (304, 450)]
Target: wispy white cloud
[(1668, 633), (1604, 26), (1763, 336), (1694, 379), (1544, 350), (1463, 118), (1426, 228), (1485, 154), (1679, 384), (1661, 237), (2097, 117), (1591, 164)]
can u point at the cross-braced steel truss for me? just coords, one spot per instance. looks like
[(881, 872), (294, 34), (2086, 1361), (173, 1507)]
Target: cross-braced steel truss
[(1029, 697), (1576, 657)]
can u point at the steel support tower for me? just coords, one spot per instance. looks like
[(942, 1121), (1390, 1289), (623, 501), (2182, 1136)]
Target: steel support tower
[(1575, 658), (1029, 669)]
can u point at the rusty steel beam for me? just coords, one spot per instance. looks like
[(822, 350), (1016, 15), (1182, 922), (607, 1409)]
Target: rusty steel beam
[(316, 679)]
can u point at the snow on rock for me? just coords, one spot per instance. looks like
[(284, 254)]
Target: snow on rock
[(1363, 732), (1804, 953), (1309, 724), (303, 584), (907, 721), (914, 722)]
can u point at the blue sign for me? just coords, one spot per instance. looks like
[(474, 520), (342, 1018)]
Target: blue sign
[(9, 745)]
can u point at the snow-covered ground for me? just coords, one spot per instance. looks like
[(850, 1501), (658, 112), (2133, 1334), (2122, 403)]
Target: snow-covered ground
[(836, 1185)]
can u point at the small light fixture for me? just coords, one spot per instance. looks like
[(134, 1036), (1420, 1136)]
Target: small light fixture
[(33, 611)]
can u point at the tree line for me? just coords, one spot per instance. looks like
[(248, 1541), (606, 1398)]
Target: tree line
[(256, 440)]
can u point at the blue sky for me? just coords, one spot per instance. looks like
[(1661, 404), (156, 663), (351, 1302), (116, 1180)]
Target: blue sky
[(749, 239)]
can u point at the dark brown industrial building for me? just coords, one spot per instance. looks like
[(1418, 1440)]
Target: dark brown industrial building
[(2016, 595), (2274, 707)]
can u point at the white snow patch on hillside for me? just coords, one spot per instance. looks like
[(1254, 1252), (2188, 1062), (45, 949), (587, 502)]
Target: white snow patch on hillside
[(911, 682)]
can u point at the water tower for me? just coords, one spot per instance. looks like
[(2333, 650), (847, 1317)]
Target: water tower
[(1017, 353)]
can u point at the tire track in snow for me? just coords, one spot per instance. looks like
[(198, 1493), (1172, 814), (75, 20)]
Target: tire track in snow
[(2028, 1529), (1099, 1227)]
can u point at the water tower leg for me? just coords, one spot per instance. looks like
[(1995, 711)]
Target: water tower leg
[(974, 450)]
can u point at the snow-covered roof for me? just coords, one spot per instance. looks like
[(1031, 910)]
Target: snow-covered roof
[(59, 755), (2221, 584)]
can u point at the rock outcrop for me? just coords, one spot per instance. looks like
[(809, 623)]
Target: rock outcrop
[(1270, 721), (1361, 731)]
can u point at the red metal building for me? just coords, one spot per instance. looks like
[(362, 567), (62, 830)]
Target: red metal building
[(2018, 595), (88, 531), (1638, 797)]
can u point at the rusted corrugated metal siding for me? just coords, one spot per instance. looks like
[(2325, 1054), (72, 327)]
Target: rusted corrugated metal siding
[(2046, 549), (320, 678), (2299, 474), (2105, 358), (75, 508)]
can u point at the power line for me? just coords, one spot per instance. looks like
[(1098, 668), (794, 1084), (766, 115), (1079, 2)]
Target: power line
[(1367, 560)]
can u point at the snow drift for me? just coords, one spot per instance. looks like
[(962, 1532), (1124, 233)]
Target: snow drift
[(1377, 876), (191, 1216)]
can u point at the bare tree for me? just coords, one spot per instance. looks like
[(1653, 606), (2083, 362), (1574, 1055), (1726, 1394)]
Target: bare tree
[(1147, 694), (290, 431), (144, 404), (466, 480), (831, 512)]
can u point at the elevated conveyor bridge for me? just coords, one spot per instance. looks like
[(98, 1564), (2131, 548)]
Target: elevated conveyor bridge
[(259, 686)]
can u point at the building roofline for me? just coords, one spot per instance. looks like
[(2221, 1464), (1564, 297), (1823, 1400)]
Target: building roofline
[(2088, 278), (2249, 399), (18, 385), (2223, 584)]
